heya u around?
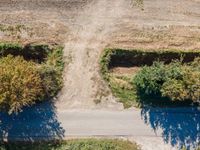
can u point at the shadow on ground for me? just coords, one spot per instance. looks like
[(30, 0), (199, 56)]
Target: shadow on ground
[(34, 123), (178, 126)]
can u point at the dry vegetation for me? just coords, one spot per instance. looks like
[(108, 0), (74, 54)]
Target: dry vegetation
[(28, 74)]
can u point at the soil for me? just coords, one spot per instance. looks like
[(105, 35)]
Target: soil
[(86, 27), (125, 70)]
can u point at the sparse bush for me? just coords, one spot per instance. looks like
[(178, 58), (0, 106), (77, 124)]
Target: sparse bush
[(20, 83)]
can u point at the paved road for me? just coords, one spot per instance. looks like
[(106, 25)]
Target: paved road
[(174, 126)]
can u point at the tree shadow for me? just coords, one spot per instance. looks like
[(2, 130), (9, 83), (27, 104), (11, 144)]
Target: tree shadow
[(179, 127), (34, 123)]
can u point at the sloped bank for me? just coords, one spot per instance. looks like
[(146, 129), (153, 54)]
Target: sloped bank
[(122, 84), (29, 74)]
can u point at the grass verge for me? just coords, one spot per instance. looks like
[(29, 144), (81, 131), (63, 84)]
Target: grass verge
[(76, 144)]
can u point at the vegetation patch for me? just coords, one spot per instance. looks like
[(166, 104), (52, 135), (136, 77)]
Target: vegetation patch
[(138, 3), (13, 30), (175, 82), (131, 88), (28, 74), (34, 52), (77, 144)]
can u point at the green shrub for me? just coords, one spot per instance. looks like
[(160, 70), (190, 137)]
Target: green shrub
[(150, 79), (55, 58), (186, 89), (104, 63), (20, 83), (51, 80), (51, 72), (174, 89), (176, 81)]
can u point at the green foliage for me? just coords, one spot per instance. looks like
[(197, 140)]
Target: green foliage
[(178, 82), (55, 58), (51, 72), (77, 144), (51, 80), (104, 63), (186, 89), (20, 83), (150, 79)]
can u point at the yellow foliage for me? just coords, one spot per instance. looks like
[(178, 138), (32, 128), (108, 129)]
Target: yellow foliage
[(20, 83)]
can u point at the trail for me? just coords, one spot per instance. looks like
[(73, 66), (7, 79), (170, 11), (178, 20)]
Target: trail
[(83, 84)]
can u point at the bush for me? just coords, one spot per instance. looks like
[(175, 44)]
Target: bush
[(150, 79), (51, 80), (177, 81), (105, 63), (186, 89), (51, 72), (20, 83), (29, 73), (55, 58)]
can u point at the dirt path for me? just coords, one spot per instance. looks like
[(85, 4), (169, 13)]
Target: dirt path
[(82, 76)]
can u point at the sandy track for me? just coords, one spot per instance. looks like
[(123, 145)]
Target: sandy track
[(82, 76)]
